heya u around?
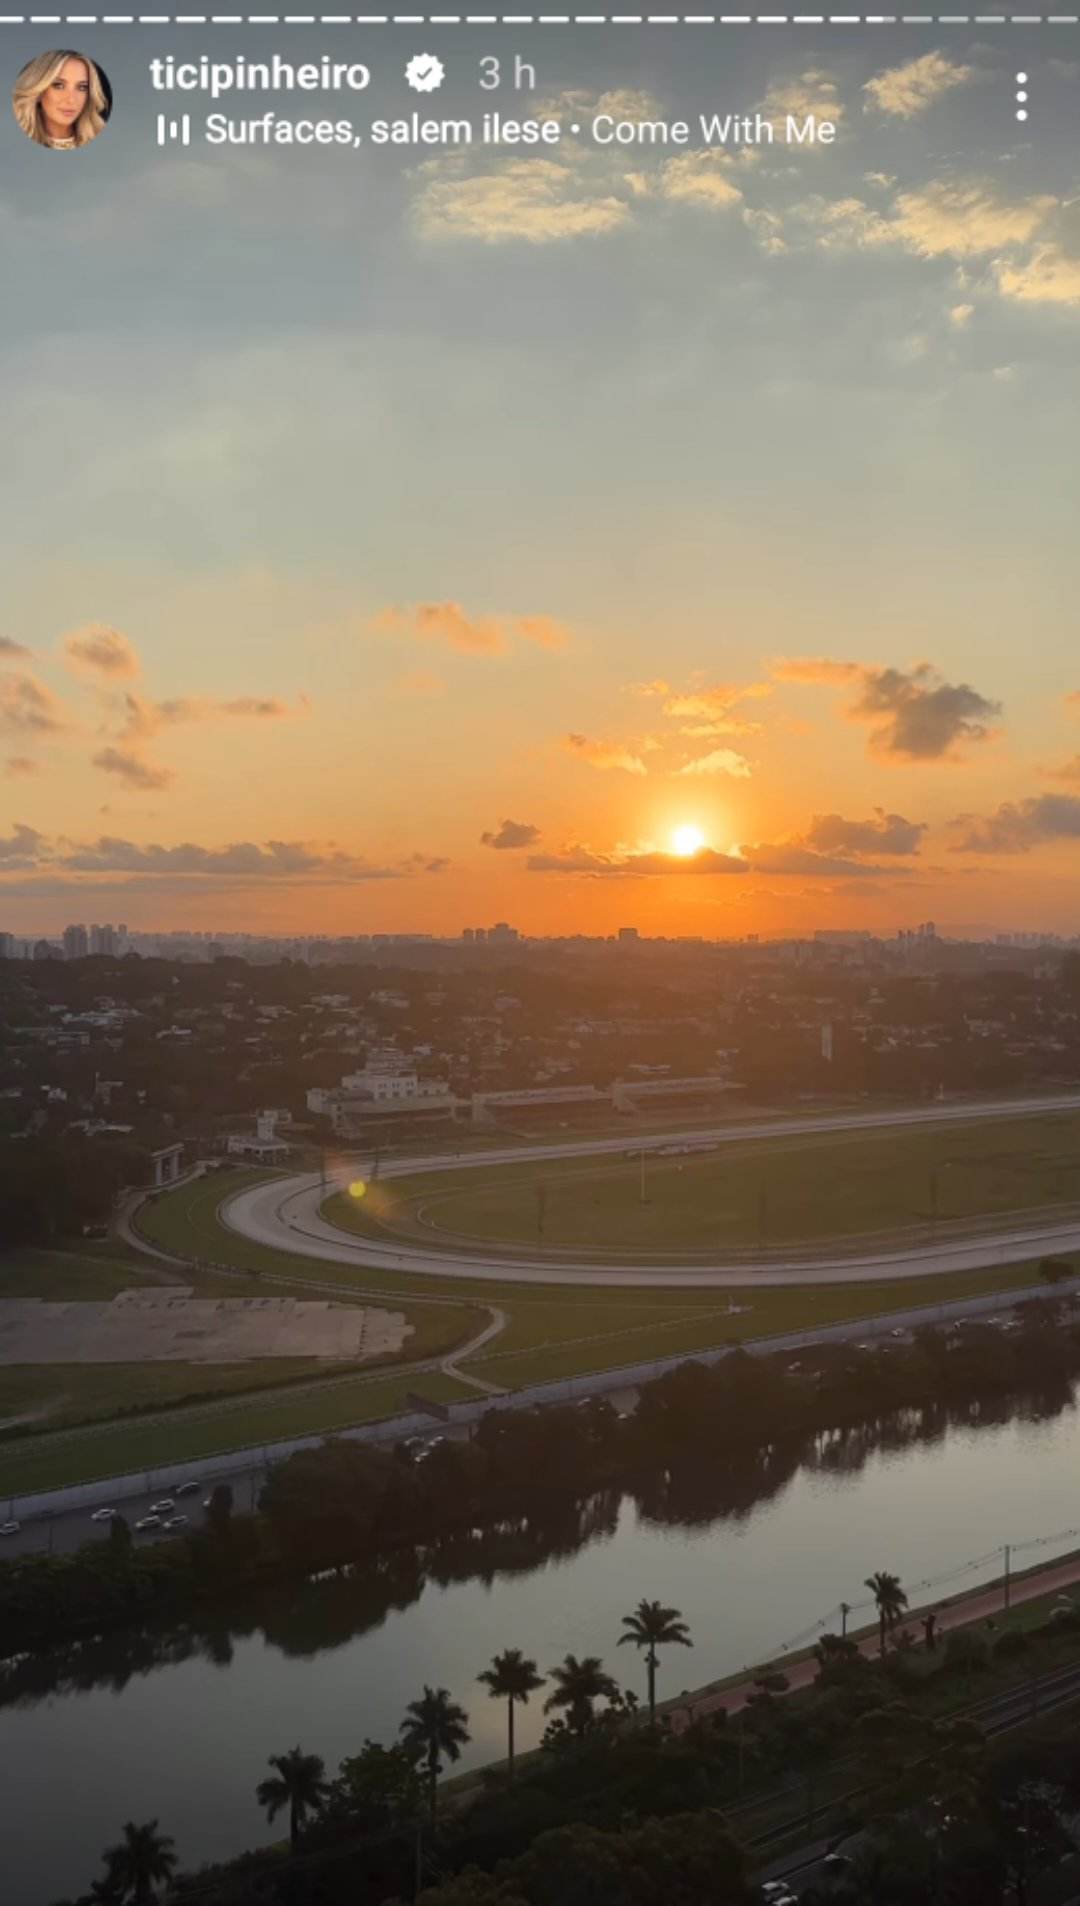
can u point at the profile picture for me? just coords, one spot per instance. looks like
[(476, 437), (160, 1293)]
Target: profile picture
[(62, 99)]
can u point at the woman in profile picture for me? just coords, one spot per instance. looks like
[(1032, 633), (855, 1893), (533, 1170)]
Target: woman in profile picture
[(62, 100)]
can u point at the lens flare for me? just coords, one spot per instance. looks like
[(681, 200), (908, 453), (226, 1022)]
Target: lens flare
[(358, 1189)]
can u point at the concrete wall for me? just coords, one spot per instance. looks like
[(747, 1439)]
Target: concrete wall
[(257, 1456)]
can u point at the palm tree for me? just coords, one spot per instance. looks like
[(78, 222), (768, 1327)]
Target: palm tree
[(651, 1626), (511, 1678), (299, 1784), (578, 1685), (143, 1860), (889, 1599), (435, 1725)]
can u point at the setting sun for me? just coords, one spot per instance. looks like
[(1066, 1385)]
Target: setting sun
[(686, 841)]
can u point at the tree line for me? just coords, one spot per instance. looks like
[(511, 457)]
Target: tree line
[(744, 1419), (617, 1809)]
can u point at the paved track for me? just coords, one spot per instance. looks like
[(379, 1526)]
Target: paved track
[(285, 1214)]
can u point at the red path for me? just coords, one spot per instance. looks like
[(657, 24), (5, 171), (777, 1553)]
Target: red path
[(981, 1604)]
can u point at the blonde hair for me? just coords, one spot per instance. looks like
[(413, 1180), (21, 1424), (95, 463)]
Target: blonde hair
[(34, 82)]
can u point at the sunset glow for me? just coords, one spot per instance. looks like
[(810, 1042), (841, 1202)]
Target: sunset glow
[(687, 841), (352, 662)]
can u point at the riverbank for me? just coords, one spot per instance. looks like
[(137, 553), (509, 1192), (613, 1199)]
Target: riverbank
[(181, 1721), (984, 1604), (1033, 1593)]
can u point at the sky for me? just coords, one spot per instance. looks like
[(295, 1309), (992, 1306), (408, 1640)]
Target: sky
[(406, 540)]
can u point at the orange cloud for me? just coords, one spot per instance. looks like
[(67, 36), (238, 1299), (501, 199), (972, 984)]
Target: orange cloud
[(719, 761), (612, 754), (714, 704), (543, 630), (145, 718), (1018, 826), (914, 714), (634, 865), (236, 862), (472, 635), (28, 707), (132, 769), (814, 668), (102, 651), (511, 834)]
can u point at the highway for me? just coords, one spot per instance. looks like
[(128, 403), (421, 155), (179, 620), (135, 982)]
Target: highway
[(1017, 1707), (67, 1529), (285, 1215)]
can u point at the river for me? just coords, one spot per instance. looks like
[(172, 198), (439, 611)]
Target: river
[(179, 1725)]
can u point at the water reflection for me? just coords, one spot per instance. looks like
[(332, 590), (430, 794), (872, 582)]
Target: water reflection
[(702, 1492)]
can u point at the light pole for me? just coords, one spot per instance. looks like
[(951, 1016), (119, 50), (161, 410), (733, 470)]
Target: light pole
[(1007, 1584)]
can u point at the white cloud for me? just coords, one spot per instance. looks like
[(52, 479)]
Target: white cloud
[(538, 201), (720, 761), (905, 91), (1048, 276), (700, 178), (810, 94)]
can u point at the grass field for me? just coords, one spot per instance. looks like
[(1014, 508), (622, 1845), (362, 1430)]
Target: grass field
[(117, 1448), (40, 1398), (523, 1356), (54, 1395), (552, 1330), (768, 1192), (70, 1274), (186, 1223), (549, 1332)]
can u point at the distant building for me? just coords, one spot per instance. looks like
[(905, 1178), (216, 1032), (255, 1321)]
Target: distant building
[(164, 1164), (76, 943), (265, 1151), (628, 935), (381, 1087)]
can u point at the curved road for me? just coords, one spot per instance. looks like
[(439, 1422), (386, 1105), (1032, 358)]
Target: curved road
[(285, 1214)]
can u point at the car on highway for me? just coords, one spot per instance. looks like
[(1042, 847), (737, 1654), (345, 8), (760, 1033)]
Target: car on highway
[(433, 1443), (175, 1522), (162, 1508), (148, 1522), (779, 1893), (103, 1515), (186, 1488), (10, 1528)]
